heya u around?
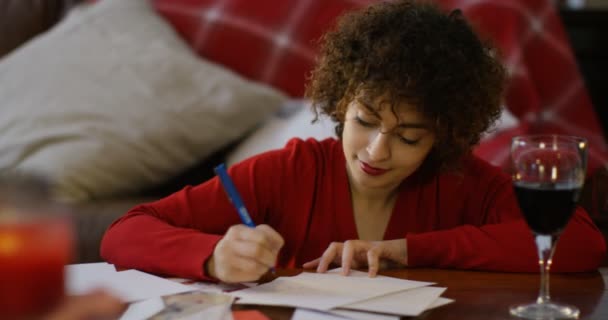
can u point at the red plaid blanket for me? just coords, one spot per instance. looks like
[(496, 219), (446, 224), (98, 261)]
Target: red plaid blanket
[(546, 92), (274, 42)]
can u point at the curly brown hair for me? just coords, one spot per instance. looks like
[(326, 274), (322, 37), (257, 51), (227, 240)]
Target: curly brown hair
[(413, 51)]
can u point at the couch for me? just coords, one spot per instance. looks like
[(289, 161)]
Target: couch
[(23, 20)]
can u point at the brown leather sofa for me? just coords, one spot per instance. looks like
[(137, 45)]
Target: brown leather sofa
[(21, 20)]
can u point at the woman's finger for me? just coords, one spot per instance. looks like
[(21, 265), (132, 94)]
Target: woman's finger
[(373, 260), (237, 260), (249, 266), (253, 235), (332, 252), (311, 264), (275, 240), (241, 269), (255, 251), (348, 251)]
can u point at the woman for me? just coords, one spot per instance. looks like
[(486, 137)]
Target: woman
[(412, 90)]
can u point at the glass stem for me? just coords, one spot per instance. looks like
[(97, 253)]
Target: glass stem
[(546, 247)]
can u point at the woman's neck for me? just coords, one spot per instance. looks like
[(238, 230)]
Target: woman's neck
[(372, 211), (374, 199)]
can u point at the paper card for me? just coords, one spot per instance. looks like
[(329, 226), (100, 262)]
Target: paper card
[(404, 303), (323, 291), (182, 306), (211, 306)]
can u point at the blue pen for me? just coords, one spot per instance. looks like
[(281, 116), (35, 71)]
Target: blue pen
[(234, 197)]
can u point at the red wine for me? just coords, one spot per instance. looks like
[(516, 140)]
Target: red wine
[(547, 208)]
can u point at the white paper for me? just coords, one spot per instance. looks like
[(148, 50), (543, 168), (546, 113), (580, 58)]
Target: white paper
[(129, 285), (440, 302), (358, 315), (304, 314), (323, 291), (340, 314), (404, 303), (80, 277), (143, 309)]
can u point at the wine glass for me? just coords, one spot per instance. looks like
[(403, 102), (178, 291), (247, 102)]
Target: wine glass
[(35, 244), (548, 175)]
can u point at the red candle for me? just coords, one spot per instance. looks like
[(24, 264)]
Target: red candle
[(33, 253)]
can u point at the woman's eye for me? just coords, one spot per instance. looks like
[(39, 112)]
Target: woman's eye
[(408, 141), (364, 123)]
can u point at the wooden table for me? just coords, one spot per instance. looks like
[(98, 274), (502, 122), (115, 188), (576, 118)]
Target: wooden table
[(488, 295)]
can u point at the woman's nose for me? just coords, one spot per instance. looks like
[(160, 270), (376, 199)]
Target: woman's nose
[(378, 148)]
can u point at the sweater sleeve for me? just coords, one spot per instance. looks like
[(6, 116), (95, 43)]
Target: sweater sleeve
[(501, 241), (177, 234)]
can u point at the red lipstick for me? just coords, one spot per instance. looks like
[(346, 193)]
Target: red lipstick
[(372, 171)]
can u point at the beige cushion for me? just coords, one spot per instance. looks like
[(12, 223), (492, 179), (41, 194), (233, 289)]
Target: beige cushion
[(112, 101), (294, 120)]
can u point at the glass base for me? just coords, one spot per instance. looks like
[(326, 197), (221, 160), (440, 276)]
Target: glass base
[(541, 311)]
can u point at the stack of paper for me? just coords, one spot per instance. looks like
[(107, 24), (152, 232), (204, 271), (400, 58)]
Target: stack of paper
[(355, 297), (129, 285), (152, 297), (332, 292)]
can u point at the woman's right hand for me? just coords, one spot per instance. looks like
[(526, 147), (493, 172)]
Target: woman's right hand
[(245, 254)]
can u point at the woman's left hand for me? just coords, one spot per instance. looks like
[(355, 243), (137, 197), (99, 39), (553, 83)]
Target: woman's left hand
[(361, 253)]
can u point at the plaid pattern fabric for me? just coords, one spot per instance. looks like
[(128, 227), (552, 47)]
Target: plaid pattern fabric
[(546, 92), (273, 41)]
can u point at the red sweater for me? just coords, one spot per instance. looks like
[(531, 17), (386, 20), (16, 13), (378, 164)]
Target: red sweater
[(466, 220)]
